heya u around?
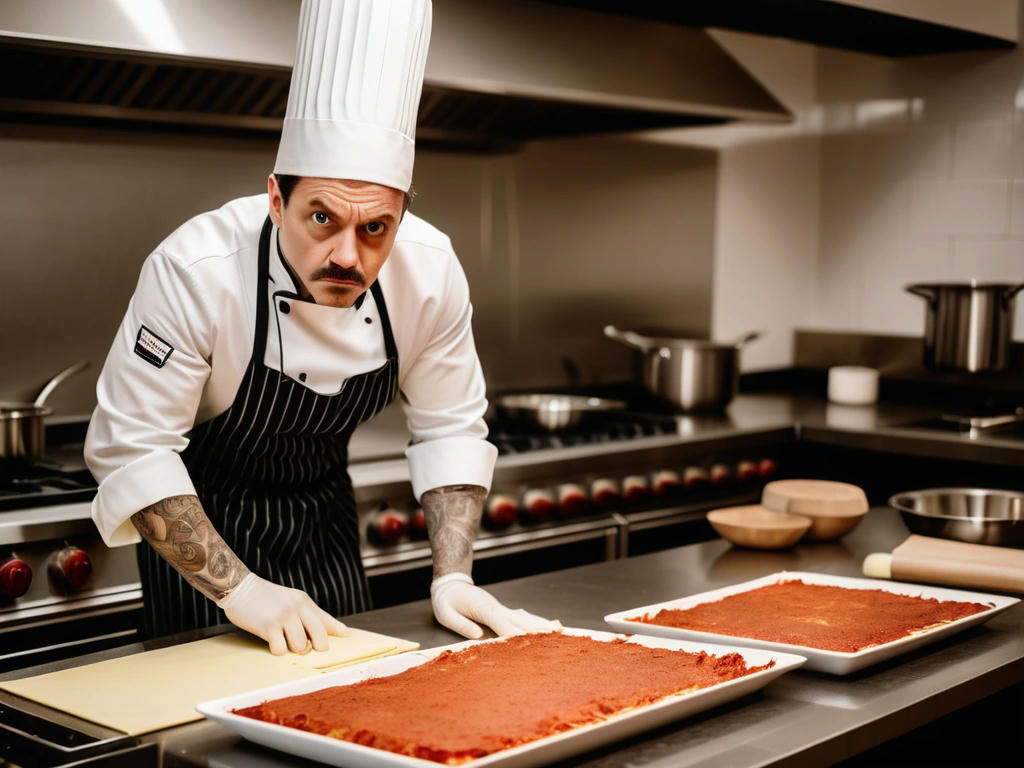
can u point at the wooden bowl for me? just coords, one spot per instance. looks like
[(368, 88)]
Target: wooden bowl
[(834, 508), (758, 527)]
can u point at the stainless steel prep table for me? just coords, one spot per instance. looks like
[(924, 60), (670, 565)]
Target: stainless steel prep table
[(801, 719)]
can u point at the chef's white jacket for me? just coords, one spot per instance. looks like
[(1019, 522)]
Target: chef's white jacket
[(187, 337)]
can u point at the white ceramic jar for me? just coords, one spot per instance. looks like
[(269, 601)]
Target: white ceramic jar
[(852, 385)]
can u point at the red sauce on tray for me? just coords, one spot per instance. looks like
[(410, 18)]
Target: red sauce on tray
[(816, 616), (465, 704)]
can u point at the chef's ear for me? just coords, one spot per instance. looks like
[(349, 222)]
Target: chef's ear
[(276, 200)]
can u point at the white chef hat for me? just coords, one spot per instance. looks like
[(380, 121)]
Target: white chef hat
[(355, 91)]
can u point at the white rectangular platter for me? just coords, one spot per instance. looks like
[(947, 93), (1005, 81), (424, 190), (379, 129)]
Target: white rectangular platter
[(834, 662), (540, 752)]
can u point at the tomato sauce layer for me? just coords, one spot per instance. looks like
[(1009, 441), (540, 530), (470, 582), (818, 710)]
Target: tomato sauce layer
[(816, 616), (465, 704)]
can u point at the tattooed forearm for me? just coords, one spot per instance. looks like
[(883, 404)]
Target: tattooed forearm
[(181, 533), (453, 517)]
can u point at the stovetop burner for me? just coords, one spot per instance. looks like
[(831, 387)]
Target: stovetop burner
[(513, 436), (38, 485)]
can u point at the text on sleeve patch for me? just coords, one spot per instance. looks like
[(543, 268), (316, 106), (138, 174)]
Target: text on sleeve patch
[(152, 348)]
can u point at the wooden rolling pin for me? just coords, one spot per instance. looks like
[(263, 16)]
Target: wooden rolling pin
[(941, 561)]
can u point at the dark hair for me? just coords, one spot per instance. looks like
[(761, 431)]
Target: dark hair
[(287, 185)]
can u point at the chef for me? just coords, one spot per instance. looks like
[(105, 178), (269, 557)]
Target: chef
[(261, 334)]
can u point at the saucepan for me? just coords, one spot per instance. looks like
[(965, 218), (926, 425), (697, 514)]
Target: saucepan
[(690, 374), (975, 515), (22, 428), (553, 411)]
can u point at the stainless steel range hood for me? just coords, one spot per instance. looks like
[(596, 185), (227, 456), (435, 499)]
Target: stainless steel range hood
[(499, 71)]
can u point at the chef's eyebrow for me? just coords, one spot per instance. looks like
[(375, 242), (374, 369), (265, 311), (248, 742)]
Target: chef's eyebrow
[(387, 218)]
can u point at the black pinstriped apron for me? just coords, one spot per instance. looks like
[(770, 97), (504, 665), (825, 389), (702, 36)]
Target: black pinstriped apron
[(271, 472)]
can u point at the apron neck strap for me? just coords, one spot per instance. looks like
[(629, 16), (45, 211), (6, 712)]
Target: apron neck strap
[(385, 320), (259, 346)]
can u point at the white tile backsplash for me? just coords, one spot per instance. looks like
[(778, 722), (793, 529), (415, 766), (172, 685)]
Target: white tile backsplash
[(838, 294), (937, 198), (929, 206), (988, 260), (1017, 209), (889, 266), (958, 207), (982, 150), (765, 246), (1016, 167)]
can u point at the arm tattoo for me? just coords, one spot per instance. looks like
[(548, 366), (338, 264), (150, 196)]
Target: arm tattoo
[(181, 533), (453, 517)]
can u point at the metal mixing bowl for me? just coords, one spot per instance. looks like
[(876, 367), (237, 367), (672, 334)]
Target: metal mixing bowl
[(975, 515)]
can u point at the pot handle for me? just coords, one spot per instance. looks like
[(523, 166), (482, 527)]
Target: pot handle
[(746, 339), (1009, 293), (53, 383), (630, 339), (923, 291)]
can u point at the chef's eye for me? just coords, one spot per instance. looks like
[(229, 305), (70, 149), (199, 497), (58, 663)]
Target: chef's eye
[(320, 217), (375, 228)]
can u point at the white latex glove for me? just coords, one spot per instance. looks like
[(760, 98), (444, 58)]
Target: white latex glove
[(458, 604), (286, 618)]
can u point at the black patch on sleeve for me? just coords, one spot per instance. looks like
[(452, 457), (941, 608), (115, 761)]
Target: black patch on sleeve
[(152, 348)]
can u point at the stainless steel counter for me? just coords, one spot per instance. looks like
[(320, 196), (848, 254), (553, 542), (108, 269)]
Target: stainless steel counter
[(802, 719), (377, 447), (882, 427)]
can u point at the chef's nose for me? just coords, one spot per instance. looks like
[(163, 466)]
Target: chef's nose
[(345, 252)]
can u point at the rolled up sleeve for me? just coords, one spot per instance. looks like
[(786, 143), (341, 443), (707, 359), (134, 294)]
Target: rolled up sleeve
[(444, 397), (146, 407), (145, 481), (450, 461)]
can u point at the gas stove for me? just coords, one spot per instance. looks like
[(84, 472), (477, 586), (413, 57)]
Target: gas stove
[(618, 484), (511, 436), (62, 590), (43, 485)]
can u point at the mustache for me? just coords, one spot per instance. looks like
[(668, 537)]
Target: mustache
[(334, 272)]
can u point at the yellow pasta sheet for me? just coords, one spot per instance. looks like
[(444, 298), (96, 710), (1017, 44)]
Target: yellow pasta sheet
[(159, 689)]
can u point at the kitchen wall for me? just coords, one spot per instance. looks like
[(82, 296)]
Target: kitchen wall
[(922, 179), (569, 235), (766, 247), (79, 210), (894, 171), (556, 241)]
